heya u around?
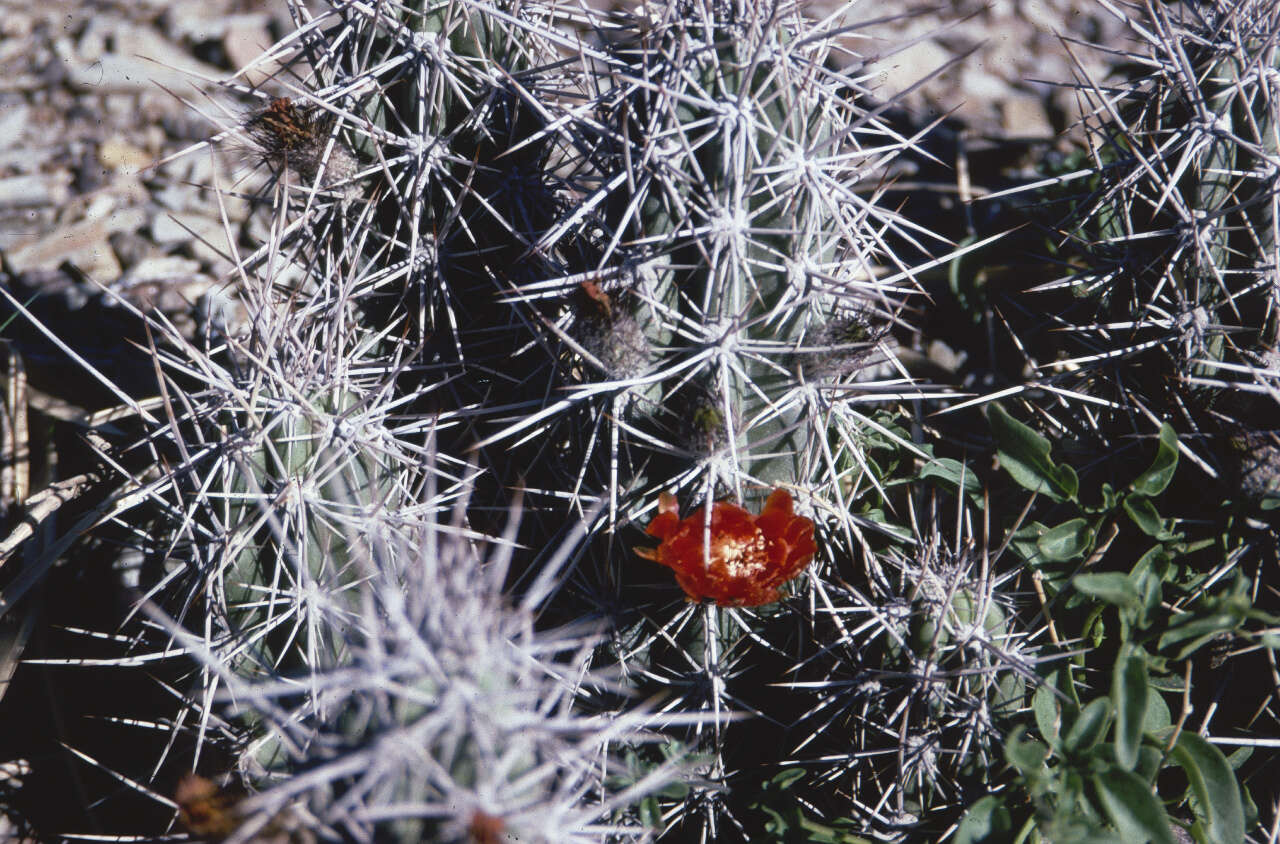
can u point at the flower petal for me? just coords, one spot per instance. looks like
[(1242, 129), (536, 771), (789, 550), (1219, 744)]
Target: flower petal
[(750, 556)]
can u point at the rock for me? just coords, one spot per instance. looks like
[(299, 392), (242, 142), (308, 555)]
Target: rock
[(140, 61), (159, 268), (172, 227), (131, 248), (176, 197), (204, 236), (34, 190), (119, 155), (93, 40), (13, 121), (898, 72), (244, 41), (1024, 116), (83, 244)]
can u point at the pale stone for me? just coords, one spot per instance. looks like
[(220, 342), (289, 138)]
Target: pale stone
[(121, 156), (34, 190), (1024, 116), (898, 72)]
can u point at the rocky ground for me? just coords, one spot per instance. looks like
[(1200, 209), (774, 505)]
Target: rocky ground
[(92, 95)]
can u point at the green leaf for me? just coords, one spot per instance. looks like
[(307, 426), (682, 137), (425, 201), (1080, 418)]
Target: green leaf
[(1167, 683), (1068, 541), (1238, 757), (950, 472), (1094, 630), (1113, 587), (1200, 630), (1149, 587), (881, 521), (1132, 808), (1154, 481), (1157, 561), (1089, 727), (1023, 541), (1157, 716), (650, 812), (1027, 755), (1144, 515), (783, 780), (1064, 680), (1110, 498), (787, 820), (1150, 761), (1011, 694), (1024, 454), (987, 820), (1217, 802), (1129, 694), (1045, 706)]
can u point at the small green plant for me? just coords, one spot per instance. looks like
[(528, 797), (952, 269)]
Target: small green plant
[(1097, 767), (1092, 775)]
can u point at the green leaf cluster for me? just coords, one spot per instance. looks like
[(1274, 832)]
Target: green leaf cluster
[(1090, 769), (1091, 775)]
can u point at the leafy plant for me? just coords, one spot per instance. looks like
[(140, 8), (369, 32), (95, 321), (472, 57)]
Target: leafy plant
[(1100, 764)]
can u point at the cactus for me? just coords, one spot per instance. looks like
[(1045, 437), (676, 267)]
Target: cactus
[(1172, 313), (719, 171), (586, 277), (656, 268), (652, 270), (442, 713), (293, 500), (718, 166), (916, 670), (340, 627)]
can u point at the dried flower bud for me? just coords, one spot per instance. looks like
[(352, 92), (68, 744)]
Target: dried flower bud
[(295, 139), (206, 810)]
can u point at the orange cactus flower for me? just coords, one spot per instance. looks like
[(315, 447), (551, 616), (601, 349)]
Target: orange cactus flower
[(751, 556)]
